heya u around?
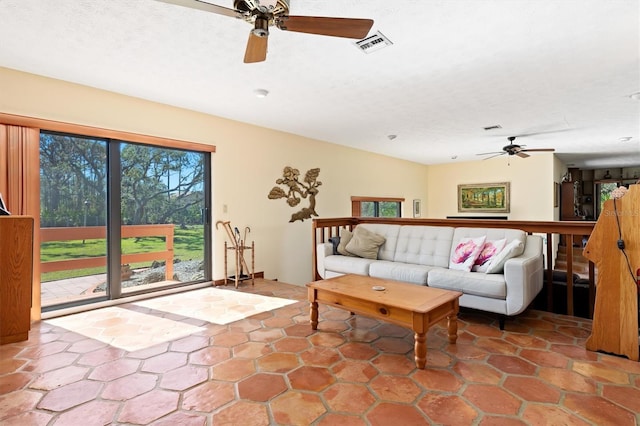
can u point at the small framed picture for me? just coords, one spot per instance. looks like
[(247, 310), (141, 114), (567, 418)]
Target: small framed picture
[(416, 208)]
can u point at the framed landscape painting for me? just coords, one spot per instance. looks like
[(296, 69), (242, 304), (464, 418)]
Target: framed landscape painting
[(484, 197)]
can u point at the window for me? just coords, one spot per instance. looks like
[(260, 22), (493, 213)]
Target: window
[(603, 191), (376, 207)]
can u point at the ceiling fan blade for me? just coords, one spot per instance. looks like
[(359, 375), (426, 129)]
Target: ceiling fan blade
[(493, 156), (335, 27), (522, 154), (489, 153), (539, 150), (256, 49), (207, 7)]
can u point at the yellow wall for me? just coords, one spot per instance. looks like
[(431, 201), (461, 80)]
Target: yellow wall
[(246, 165), (531, 181)]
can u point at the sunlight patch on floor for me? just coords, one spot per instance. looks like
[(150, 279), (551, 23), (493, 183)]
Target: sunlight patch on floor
[(215, 305), (123, 328), (139, 325)]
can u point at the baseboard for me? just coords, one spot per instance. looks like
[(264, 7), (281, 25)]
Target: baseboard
[(221, 281)]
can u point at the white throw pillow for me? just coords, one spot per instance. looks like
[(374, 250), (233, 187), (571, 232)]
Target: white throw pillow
[(513, 249), (466, 253), (489, 250)]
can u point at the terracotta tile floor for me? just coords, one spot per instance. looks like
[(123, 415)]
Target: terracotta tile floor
[(168, 361)]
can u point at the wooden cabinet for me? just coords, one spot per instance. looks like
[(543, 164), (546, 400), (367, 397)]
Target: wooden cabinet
[(568, 203), (16, 277)]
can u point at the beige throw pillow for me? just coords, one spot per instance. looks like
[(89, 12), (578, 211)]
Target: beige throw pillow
[(365, 243), (345, 237)]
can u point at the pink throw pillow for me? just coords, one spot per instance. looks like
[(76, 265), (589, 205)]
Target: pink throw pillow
[(489, 250), (466, 253)]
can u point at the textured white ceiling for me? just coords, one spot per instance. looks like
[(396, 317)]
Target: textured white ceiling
[(566, 67)]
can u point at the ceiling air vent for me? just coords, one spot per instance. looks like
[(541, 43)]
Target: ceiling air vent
[(374, 42)]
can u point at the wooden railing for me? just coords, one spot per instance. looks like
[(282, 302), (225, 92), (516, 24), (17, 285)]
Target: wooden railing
[(100, 232), (323, 229)]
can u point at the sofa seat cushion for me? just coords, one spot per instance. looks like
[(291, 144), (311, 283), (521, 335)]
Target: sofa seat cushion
[(347, 264), (398, 271), (479, 284)]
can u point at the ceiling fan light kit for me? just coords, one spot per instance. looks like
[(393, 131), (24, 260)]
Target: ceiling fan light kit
[(265, 13), (261, 28)]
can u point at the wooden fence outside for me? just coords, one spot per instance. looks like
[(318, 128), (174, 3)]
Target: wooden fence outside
[(99, 232)]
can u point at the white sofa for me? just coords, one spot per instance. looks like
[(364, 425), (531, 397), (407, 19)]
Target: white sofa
[(421, 255)]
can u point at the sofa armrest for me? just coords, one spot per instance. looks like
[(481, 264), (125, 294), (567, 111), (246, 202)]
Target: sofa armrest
[(322, 250), (523, 276)]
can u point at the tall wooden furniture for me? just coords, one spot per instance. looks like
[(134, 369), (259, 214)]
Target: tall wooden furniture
[(615, 319), (16, 277), (568, 194)]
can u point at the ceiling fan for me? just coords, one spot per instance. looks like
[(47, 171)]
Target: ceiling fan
[(514, 149), (263, 14)]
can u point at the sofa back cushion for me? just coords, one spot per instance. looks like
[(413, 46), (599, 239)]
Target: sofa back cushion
[(491, 234), (424, 245), (390, 234)]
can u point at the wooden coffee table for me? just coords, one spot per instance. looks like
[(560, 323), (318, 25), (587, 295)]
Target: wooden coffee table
[(409, 305)]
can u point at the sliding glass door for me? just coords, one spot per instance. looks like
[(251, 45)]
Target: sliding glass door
[(120, 218), (73, 213), (162, 205)]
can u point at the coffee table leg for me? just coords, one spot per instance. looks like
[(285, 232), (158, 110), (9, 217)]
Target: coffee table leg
[(420, 349), (452, 326), (314, 315)]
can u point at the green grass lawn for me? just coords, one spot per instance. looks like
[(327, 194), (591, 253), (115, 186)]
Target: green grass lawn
[(187, 244)]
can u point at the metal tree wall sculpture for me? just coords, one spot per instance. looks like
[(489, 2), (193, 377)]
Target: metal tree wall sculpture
[(296, 190)]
